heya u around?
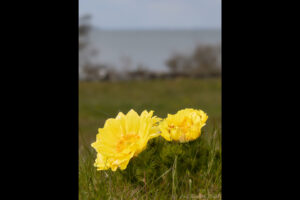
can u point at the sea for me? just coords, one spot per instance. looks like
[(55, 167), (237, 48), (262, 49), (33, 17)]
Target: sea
[(150, 49)]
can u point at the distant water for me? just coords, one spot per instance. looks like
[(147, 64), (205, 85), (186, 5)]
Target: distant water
[(149, 48)]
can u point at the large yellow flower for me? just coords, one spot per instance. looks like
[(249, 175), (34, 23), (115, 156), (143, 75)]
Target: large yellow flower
[(184, 126), (124, 137)]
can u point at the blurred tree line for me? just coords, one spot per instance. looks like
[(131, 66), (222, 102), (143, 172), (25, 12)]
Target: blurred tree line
[(205, 61), (87, 69)]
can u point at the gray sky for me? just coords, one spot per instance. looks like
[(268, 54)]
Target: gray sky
[(153, 14)]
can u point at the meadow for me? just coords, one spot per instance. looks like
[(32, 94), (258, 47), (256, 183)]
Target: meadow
[(165, 170)]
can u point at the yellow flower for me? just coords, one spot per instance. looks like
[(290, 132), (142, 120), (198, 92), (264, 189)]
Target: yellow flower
[(184, 126), (122, 138)]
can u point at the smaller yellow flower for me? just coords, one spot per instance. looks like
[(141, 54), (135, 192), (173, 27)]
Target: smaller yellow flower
[(184, 126)]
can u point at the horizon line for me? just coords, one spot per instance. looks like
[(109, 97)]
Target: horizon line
[(155, 29)]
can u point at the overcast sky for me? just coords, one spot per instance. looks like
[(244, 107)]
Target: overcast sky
[(153, 14)]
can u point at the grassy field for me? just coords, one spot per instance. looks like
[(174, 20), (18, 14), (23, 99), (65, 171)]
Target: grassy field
[(164, 170)]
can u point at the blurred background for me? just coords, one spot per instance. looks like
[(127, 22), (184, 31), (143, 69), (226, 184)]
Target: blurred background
[(161, 55), (148, 39)]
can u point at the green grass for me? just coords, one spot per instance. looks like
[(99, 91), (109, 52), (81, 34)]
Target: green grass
[(164, 170)]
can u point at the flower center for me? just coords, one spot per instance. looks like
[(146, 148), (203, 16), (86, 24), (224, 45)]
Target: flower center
[(126, 141)]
